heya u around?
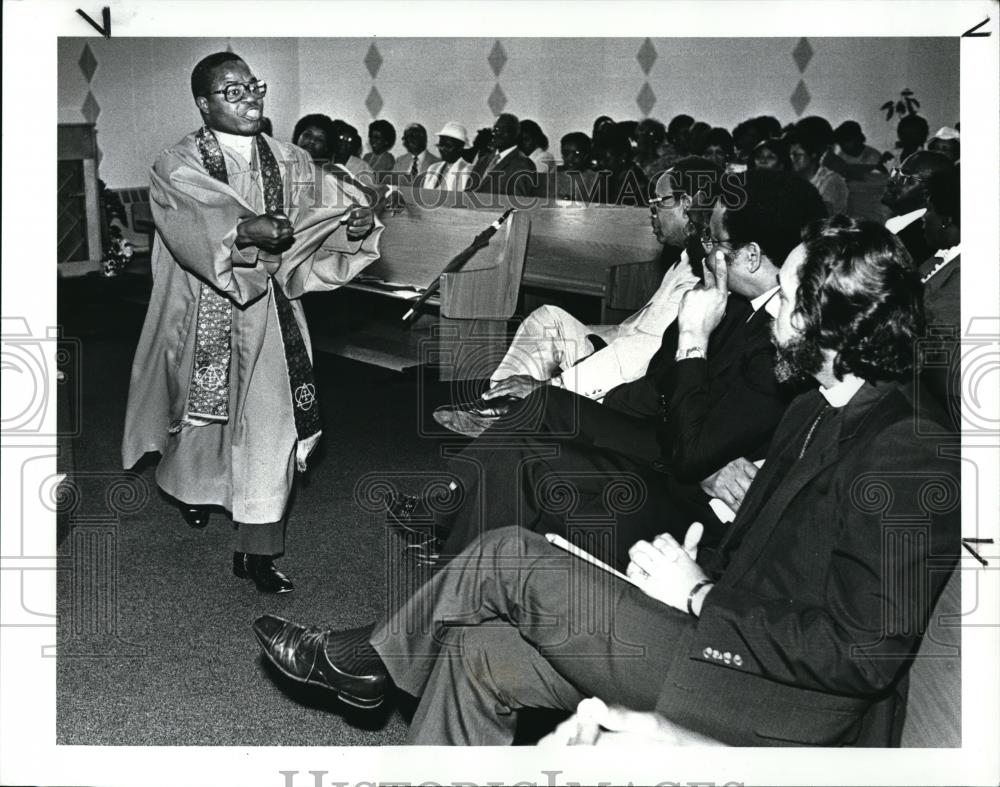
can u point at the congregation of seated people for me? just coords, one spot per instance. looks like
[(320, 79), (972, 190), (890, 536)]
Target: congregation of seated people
[(618, 162), (776, 365)]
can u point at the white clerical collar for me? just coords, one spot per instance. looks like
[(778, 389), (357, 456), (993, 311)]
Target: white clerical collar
[(842, 391), (897, 224), (768, 301), (236, 142)]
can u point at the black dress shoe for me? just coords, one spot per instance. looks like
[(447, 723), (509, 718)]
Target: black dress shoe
[(300, 653), (474, 418), (195, 516), (261, 569), (407, 512)]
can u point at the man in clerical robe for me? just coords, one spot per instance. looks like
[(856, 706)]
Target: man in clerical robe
[(222, 384)]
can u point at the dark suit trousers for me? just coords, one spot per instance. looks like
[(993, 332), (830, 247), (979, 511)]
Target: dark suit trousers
[(565, 464), (515, 623)]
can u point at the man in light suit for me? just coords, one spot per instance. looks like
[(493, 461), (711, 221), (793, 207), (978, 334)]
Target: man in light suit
[(551, 346), (507, 170), (798, 630)]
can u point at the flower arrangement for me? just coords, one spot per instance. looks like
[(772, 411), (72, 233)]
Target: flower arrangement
[(118, 252)]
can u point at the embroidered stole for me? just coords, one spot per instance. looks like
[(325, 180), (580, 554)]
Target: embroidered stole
[(208, 394)]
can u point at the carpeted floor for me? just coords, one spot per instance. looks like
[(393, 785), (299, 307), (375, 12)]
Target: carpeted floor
[(155, 646)]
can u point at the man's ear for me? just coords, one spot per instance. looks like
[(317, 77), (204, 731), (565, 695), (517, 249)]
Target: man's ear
[(202, 103), (686, 202), (754, 257)]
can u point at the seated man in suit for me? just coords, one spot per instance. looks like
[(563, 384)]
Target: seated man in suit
[(553, 347), (417, 160), (507, 170), (708, 398), (942, 279), (906, 196), (799, 629)]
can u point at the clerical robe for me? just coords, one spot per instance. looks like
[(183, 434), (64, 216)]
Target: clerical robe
[(247, 463)]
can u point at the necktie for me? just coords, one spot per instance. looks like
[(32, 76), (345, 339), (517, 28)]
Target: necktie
[(442, 173), (413, 168)]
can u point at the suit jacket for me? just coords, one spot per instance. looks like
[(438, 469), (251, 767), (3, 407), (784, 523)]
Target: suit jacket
[(707, 412), (825, 582), (912, 236), (942, 304), (514, 175)]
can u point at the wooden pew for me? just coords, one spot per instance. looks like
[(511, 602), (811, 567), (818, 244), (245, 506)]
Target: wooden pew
[(573, 247), (464, 329)]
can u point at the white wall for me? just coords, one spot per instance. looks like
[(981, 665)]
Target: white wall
[(562, 83), (143, 86)]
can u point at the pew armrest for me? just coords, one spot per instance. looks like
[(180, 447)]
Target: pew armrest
[(489, 292)]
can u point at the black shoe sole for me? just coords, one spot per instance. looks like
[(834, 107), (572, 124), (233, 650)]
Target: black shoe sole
[(349, 699)]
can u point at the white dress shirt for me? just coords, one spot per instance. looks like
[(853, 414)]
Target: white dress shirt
[(449, 177), (842, 391)]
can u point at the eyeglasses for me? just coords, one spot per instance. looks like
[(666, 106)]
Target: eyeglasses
[(898, 176), (236, 91), (708, 242)]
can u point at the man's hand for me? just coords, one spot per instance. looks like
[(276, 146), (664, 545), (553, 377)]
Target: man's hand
[(360, 222), (595, 724), (271, 233), (666, 570), (703, 307), (519, 386), (731, 483)]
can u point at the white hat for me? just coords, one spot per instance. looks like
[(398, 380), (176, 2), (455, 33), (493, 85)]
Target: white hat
[(455, 131), (946, 132)]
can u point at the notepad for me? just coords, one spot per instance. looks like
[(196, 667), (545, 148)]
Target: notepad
[(562, 543)]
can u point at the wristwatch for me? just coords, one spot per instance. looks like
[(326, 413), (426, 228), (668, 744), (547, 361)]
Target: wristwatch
[(690, 352)]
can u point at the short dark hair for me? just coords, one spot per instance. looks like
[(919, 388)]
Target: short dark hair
[(944, 193), (201, 74), (718, 137), (860, 297), (386, 128), (677, 124), (535, 131), (768, 125), (915, 124), (849, 129), (579, 139), (814, 134), (321, 122), (769, 208)]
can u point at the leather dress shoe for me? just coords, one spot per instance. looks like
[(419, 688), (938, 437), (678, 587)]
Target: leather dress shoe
[(300, 653), (195, 516), (261, 569), (474, 418), (406, 512)]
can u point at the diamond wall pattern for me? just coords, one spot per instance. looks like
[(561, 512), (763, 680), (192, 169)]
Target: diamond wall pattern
[(646, 56), (374, 101), (497, 100), (373, 60), (800, 98), (88, 63), (497, 58), (802, 54), (646, 98), (90, 109)]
